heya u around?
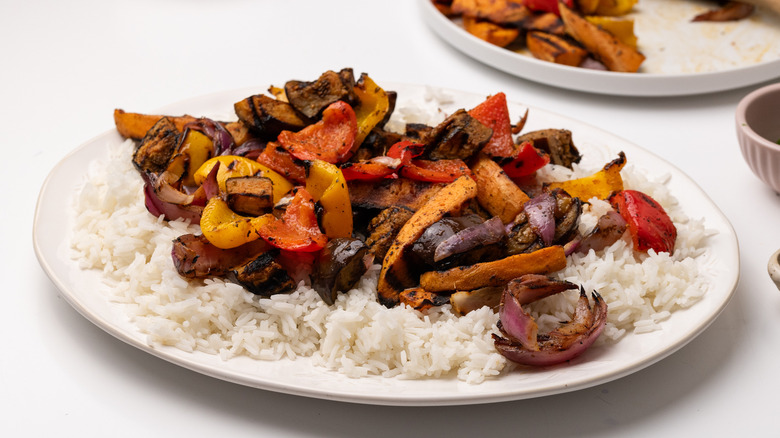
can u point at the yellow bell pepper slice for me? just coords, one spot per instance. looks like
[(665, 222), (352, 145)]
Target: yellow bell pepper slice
[(587, 7), (191, 154), (234, 166), (622, 29), (614, 8), (327, 185), (225, 229), (374, 105), (599, 185)]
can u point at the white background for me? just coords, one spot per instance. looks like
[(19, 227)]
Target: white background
[(66, 65)]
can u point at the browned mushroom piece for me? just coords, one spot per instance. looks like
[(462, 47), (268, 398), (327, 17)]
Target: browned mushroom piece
[(267, 117), (311, 98), (557, 143), (458, 137), (157, 147)]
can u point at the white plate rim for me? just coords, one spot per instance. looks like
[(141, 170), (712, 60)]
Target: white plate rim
[(78, 289), (593, 81)]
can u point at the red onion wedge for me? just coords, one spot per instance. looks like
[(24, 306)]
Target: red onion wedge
[(220, 137), (210, 185), (541, 216), (158, 207), (485, 233), (251, 148), (562, 344), (533, 287), (160, 198), (517, 323)]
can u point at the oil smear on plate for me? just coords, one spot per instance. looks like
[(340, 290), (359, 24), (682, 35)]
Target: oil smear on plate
[(673, 44)]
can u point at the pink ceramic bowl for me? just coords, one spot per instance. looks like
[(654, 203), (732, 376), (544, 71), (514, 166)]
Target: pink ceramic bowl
[(758, 131)]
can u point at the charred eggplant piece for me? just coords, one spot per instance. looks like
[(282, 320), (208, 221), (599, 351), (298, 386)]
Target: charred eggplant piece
[(457, 137), (311, 98), (263, 275), (266, 117), (250, 195), (157, 147), (557, 143), (339, 266)]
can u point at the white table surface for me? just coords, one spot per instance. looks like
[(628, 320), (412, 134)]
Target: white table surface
[(67, 64)]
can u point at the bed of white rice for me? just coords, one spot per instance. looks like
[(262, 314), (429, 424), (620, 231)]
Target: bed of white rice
[(356, 336)]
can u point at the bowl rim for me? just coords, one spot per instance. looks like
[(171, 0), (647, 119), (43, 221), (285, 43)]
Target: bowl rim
[(742, 106)]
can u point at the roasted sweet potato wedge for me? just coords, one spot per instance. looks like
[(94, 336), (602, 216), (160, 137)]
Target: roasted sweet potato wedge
[(546, 22), (614, 54), (135, 125), (491, 32), (496, 192), (553, 48), (496, 11), (495, 273)]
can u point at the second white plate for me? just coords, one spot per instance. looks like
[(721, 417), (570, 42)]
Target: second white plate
[(708, 57)]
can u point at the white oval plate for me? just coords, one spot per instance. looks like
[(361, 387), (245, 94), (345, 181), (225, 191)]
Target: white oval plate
[(702, 60), (83, 290)]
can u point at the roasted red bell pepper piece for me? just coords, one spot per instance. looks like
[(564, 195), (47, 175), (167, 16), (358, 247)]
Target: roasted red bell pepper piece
[(494, 114), (400, 154), (650, 226), (439, 171), (547, 5), (330, 139), (528, 160), (275, 157), (370, 170), (297, 229), (405, 151)]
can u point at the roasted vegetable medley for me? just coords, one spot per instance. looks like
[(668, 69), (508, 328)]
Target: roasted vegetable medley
[(309, 179), (595, 34)]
